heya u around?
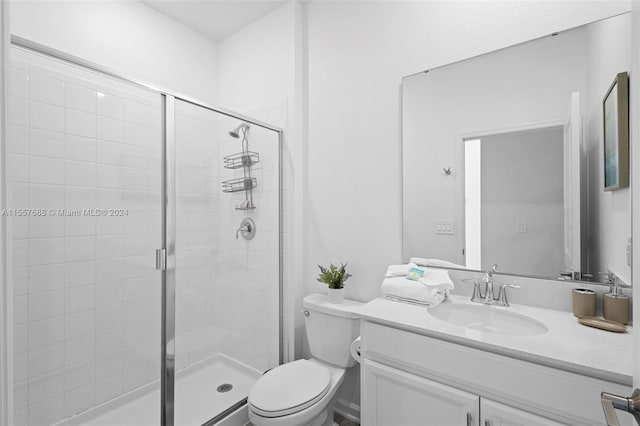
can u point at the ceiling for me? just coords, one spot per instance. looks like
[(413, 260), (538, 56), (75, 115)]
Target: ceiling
[(217, 19)]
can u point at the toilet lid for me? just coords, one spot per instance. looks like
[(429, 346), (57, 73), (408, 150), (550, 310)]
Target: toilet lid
[(289, 388)]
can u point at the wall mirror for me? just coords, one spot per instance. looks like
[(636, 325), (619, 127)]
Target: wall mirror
[(503, 158)]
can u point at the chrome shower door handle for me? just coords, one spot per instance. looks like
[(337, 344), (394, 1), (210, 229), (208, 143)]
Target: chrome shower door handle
[(611, 402)]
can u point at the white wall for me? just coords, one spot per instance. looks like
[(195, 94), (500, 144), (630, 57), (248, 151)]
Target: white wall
[(126, 36), (357, 54)]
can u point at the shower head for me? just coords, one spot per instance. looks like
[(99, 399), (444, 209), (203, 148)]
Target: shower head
[(236, 132)]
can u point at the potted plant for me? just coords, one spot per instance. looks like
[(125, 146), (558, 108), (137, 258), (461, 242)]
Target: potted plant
[(334, 277)]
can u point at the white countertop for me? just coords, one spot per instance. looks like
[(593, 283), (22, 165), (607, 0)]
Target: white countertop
[(568, 345)]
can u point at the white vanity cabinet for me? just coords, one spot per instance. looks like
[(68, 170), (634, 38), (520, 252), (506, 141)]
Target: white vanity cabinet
[(412, 379)]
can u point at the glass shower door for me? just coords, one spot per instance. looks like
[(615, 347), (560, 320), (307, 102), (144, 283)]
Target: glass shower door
[(227, 276), (84, 155)]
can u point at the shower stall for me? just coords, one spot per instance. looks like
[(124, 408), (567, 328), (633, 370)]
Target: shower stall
[(146, 248)]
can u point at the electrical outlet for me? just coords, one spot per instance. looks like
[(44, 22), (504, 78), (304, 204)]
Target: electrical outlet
[(444, 227), (521, 227)]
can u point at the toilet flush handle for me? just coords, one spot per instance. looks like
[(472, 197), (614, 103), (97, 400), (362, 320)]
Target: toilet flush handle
[(306, 313)]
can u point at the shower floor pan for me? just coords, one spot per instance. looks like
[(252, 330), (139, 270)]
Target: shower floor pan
[(196, 397)]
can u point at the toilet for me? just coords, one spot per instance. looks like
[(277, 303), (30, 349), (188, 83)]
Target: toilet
[(304, 392)]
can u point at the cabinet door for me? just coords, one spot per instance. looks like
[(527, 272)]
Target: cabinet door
[(395, 397), (496, 414)]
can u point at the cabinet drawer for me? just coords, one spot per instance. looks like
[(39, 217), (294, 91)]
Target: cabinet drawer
[(568, 397)]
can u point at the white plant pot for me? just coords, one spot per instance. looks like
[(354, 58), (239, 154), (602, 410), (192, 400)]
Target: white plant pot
[(336, 295)]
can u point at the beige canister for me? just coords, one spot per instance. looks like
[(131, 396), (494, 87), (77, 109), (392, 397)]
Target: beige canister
[(584, 302), (616, 308)]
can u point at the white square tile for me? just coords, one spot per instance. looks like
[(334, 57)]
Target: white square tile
[(18, 167), (111, 106), (80, 97), (47, 89), (79, 173), (46, 116), (19, 198), (79, 324), (109, 176), (46, 332), (79, 374), (47, 412), (108, 388), (136, 156), (109, 364), (46, 251), (21, 395), (46, 170), (20, 337), (135, 134), (80, 273), (21, 253), (135, 179), (80, 349), (18, 141), (43, 196), (109, 198), (46, 305), (108, 246), (110, 152), (135, 244), (19, 82), (136, 112), (46, 226), (110, 129), (46, 278), (46, 143), (108, 317), (108, 270), (46, 386), (20, 281), (108, 293), (79, 198), (19, 111), (109, 341), (79, 399), (20, 366), (80, 225), (44, 359), (109, 225), (20, 416), (80, 123), (80, 148), (135, 222), (79, 299), (80, 248)]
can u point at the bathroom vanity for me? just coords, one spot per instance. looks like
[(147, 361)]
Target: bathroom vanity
[(515, 365)]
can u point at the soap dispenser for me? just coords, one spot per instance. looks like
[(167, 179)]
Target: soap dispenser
[(615, 304)]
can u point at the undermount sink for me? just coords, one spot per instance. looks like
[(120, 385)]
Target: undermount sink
[(488, 319)]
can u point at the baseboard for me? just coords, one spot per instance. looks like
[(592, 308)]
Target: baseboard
[(348, 410)]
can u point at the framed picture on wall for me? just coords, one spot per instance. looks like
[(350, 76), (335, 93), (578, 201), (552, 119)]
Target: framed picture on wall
[(615, 108)]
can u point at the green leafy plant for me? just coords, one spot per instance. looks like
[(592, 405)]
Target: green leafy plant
[(333, 276)]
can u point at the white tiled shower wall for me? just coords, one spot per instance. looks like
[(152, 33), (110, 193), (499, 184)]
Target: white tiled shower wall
[(226, 288), (87, 299)]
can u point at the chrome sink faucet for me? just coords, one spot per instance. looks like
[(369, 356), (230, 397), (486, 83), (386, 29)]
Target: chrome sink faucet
[(488, 298)]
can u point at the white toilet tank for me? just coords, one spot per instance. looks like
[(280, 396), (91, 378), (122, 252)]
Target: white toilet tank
[(331, 328)]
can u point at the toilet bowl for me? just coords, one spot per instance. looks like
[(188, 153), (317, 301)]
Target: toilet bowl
[(304, 392)]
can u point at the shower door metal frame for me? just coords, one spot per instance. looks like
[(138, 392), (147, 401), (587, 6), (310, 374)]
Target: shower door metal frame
[(168, 218)]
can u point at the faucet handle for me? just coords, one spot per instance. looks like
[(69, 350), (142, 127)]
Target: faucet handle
[(477, 293), (502, 294)]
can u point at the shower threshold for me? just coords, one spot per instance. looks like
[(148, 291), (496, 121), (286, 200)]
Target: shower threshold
[(196, 397)]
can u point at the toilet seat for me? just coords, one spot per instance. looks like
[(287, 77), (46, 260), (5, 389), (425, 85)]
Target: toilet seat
[(289, 388)]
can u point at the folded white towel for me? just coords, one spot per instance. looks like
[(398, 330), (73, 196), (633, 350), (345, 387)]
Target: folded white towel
[(436, 278), (425, 291), (399, 270), (421, 261)]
